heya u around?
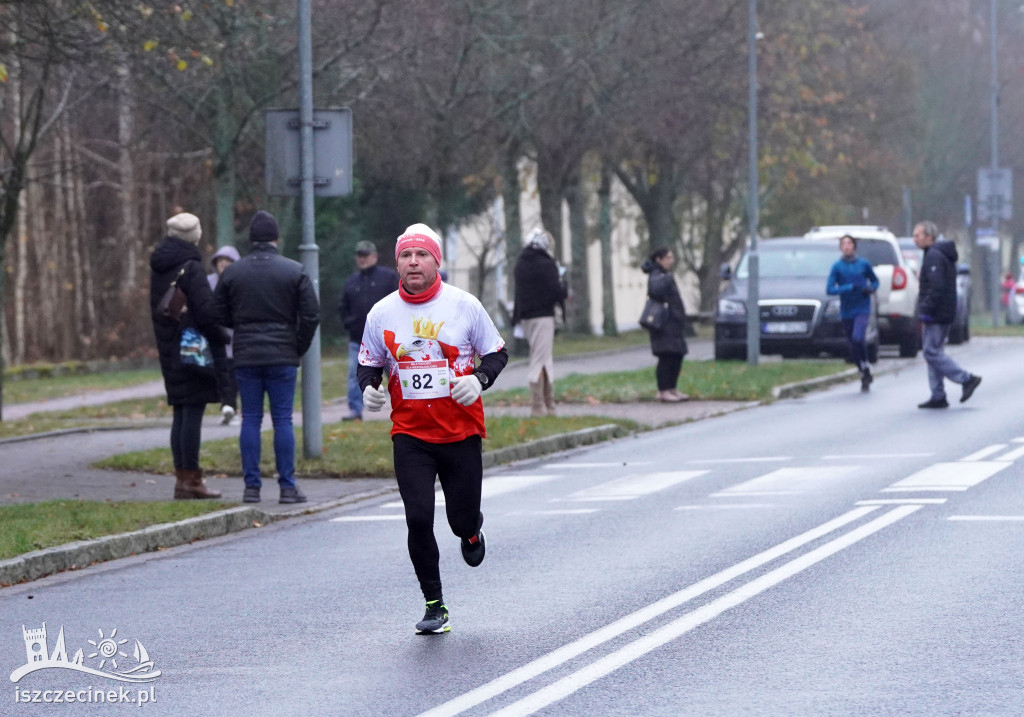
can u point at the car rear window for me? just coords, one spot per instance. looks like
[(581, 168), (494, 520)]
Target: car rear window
[(877, 252)]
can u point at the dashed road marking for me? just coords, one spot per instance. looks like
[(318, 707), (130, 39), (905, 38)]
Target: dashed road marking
[(948, 477), (633, 486), (787, 481)]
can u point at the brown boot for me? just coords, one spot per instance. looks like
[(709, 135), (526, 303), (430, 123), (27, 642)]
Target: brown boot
[(190, 484), (549, 393), (536, 399)]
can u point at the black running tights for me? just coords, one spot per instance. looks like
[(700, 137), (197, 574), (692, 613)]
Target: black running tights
[(186, 433), (459, 466)]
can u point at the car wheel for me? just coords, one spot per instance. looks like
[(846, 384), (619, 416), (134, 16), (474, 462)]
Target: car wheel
[(729, 353)]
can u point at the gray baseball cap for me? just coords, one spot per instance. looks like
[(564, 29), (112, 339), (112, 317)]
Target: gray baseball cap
[(366, 247)]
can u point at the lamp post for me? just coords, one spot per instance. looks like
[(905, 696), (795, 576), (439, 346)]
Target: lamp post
[(753, 310)]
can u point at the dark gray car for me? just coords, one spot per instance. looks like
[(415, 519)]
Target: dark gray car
[(796, 315)]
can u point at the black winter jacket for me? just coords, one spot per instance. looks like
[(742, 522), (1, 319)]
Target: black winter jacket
[(271, 304), (538, 287), (362, 290), (937, 294), (183, 385), (661, 286)]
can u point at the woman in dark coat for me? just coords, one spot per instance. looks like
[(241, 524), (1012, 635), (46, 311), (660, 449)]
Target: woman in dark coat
[(667, 343), (188, 389)]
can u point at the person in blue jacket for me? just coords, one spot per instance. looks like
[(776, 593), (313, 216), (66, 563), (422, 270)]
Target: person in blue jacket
[(853, 280)]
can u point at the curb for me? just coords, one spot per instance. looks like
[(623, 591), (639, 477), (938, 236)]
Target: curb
[(83, 553)]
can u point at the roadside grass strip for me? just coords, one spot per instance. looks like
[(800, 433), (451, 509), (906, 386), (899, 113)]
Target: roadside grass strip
[(25, 527)]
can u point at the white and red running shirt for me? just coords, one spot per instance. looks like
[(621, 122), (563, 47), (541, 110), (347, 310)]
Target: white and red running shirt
[(423, 347)]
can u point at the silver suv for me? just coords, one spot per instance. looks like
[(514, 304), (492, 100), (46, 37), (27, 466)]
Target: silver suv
[(897, 291)]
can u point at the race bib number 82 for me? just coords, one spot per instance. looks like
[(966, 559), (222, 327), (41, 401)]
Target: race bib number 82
[(424, 379)]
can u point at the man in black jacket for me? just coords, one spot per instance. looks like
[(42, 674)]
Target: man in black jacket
[(539, 288), (271, 304), (363, 289), (937, 308)]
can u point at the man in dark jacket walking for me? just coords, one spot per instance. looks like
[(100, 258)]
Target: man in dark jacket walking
[(937, 308), (363, 289), (272, 306), (539, 288)]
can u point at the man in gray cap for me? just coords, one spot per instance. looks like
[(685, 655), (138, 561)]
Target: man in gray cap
[(363, 289), (271, 304)]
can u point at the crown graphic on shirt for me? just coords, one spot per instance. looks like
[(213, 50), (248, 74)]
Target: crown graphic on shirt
[(425, 328)]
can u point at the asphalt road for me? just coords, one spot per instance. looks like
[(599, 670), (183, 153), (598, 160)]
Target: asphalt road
[(837, 554)]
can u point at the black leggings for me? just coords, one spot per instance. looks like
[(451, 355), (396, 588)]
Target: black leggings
[(668, 369), (186, 435), (459, 466)]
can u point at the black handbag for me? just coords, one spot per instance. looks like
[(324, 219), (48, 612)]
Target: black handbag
[(654, 315)]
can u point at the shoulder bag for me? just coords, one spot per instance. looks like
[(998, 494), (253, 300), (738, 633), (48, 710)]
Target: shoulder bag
[(654, 315), (173, 304)]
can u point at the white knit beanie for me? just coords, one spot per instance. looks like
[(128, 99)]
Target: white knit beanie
[(185, 226)]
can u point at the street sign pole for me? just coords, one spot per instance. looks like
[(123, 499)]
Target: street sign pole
[(312, 438), (753, 290)]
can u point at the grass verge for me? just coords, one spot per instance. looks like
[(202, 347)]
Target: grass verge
[(702, 380), (350, 449), (25, 527)]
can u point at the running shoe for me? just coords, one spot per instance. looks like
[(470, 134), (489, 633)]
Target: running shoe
[(865, 381), (473, 549), (435, 620)]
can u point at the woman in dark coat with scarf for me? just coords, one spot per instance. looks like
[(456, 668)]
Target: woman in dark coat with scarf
[(667, 343), (188, 389)]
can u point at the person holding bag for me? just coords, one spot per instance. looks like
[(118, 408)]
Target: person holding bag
[(189, 387), (668, 341)]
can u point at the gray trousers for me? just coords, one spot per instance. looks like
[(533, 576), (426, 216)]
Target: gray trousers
[(940, 366)]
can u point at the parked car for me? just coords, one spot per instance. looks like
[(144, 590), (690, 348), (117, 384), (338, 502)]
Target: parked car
[(898, 284), (960, 331), (797, 317)]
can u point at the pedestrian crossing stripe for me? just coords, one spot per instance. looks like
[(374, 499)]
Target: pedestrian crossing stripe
[(787, 481), (495, 485), (633, 486), (948, 476)]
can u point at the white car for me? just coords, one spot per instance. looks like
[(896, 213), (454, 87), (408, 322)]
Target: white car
[(898, 283)]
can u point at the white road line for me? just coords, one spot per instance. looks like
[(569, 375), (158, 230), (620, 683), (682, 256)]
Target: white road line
[(618, 464), (638, 648), (365, 518), (766, 459), (948, 476), (567, 511), (789, 480), (633, 486), (872, 456), (728, 506), (984, 452), (1011, 456), (903, 501), (1017, 440), (987, 518), (495, 485), (568, 652)]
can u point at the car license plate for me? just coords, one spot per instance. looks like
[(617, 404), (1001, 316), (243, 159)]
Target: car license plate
[(784, 327)]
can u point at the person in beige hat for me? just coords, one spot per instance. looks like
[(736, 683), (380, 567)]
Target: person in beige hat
[(177, 259)]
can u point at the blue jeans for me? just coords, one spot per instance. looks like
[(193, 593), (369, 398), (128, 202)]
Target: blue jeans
[(940, 366), (355, 396), (278, 383)]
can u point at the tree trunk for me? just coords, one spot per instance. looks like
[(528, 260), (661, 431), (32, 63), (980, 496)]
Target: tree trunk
[(549, 190), (510, 193), (604, 230), (126, 168), (579, 308)]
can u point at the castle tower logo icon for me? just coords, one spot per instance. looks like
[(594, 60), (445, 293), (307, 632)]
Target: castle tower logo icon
[(109, 657)]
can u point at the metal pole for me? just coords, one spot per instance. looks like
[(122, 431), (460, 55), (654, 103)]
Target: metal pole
[(753, 311), (993, 208), (312, 440)]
